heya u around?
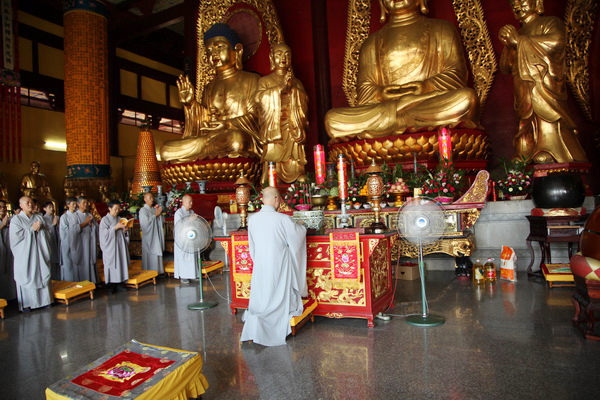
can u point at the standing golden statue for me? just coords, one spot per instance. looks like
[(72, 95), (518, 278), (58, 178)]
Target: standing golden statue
[(535, 55), (34, 184), (224, 123), (412, 75), (282, 107)]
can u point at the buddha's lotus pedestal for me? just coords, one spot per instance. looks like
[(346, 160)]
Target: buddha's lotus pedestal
[(221, 173), (469, 146)]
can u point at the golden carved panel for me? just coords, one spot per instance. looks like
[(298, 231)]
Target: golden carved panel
[(212, 11), (359, 17), (477, 193), (476, 39), (455, 247), (379, 269), (579, 21), (320, 287), (242, 290), (317, 251)]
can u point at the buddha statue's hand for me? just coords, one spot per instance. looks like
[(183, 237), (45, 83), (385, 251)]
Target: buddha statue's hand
[(186, 89), (508, 35), (394, 92), (214, 126)]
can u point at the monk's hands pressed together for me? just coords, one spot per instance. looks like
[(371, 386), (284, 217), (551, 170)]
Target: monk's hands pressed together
[(158, 211), (88, 219), (55, 220), (508, 35), (4, 222), (36, 226)]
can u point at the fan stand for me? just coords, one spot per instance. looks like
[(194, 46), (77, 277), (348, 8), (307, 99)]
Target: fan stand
[(201, 305), (424, 320)]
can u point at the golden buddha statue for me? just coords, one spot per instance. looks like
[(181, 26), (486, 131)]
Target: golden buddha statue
[(535, 55), (282, 107), (34, 185), (223, 123), (412, 75)]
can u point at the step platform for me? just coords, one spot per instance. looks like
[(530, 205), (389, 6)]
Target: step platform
[(67, 292), (309, 307), (207, 267), (2, 305), (137, 279), (134, 266)]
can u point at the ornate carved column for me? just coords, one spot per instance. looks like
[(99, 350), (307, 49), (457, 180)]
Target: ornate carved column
[(86, 96)]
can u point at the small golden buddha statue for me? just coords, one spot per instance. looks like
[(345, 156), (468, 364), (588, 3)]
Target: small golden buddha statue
[(34, 184), (412, 75), (282, 107), (535, 55), (223, 123)]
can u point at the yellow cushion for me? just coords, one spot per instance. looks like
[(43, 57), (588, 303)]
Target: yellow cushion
[(170, 267), (2, 303), (210, 266), (138, 277), (309, 306), (64, 290)]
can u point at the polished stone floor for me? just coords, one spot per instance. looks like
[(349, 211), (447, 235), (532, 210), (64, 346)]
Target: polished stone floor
[(508, 341)]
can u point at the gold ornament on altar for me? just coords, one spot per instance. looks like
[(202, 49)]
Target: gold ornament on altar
[(34, 184), (412, 75), (375, 191), (242, 198), (535, 55), (282, 107), (224, 122)]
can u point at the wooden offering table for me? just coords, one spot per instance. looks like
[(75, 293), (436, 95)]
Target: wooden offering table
[(348, 273)]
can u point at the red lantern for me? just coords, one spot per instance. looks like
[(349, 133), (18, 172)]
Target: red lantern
[(445, 145), (272, 174), (342, 177), (319, 154)]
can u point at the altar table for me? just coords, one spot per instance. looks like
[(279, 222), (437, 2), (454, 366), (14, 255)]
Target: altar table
[(370, 294)]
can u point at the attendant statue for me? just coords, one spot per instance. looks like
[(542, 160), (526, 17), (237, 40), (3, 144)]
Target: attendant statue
[(412, 75), (535, 55), (34, 185), (282, 107), (223, 123)]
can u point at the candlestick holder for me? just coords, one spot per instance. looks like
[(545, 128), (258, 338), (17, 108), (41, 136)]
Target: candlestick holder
[(375, 191), (242, 198)]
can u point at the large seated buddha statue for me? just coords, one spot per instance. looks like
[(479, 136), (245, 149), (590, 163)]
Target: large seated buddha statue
[(224, 122), (412, 76)]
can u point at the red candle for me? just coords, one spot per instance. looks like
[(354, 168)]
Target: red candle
[(319, 164), (445, 145), (342, 177), (272, 174)]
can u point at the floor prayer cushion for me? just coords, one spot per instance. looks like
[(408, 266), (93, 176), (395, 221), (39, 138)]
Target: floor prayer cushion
[(558, 275), (170, 268), (309, 306), (2, 305), (67, 292), (135, 371), (586, 271), (585, 267), (138, 279), (211, 266)]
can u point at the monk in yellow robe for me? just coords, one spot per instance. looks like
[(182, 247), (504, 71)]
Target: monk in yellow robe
[(224, 123), (282, 107), (412, 75)]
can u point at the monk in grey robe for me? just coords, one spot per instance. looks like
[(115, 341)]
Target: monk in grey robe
[(29, 245), (69, 241), (52, 221), (277, 246), (186, 264), (114, 243), (153, 237), (8, 290), (86, 256)]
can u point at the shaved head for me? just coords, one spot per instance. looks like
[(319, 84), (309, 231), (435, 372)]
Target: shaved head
[(186, 201), (23, 200), (271, 197)]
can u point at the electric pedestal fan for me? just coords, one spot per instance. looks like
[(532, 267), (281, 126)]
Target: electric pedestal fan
[(193, 235), (421, 221)]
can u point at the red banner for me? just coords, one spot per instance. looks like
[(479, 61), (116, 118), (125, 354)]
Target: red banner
[(345, 258), (241, 262)]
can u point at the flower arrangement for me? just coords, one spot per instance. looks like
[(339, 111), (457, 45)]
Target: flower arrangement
[(298, 194), (517, 181), (444, 181), (174, 199)]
